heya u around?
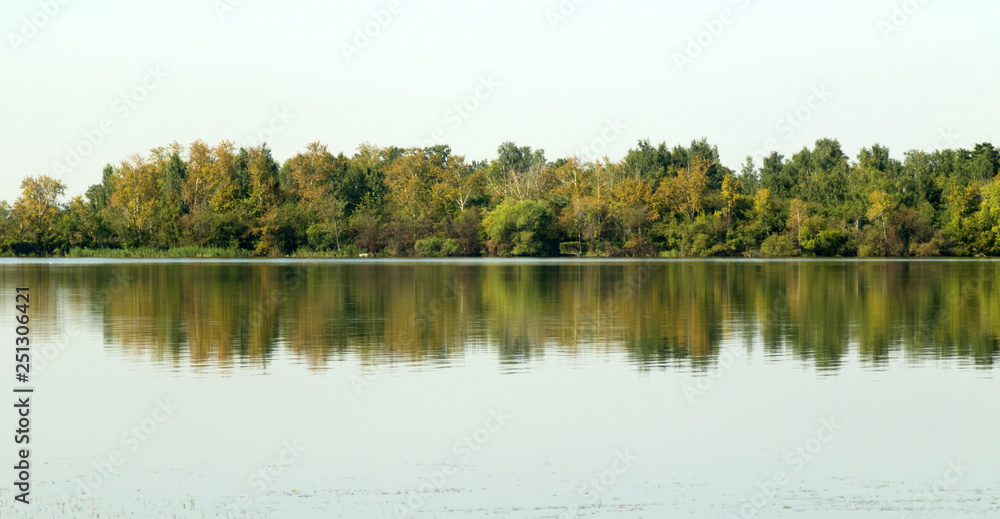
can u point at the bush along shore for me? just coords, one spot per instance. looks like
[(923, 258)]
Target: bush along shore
[(222, 201)]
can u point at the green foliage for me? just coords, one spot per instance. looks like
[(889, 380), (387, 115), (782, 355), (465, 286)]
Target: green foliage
[(323, 237), (208, 228), (467, 230), (650, 163), (778, 246), (437, 247), (520, 228), (817, 238)]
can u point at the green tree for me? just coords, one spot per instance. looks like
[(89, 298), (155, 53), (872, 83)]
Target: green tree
[(961, 226), (520, 228), (361, 181), (776, 178), (749, 178), (765, 218), (649, 163), (988, 241), (78, 225), (824, 173), (518, 172)]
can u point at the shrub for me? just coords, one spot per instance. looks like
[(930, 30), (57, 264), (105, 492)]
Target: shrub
[(436, 247), (521, 228), (778, 246), (570, 248)]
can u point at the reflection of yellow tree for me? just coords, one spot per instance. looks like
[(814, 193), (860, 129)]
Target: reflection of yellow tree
[(48, 318)]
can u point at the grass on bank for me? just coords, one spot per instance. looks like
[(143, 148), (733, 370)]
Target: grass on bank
[(150, 252), (207, 252)]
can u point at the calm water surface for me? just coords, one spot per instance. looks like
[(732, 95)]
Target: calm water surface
[(512, 389)]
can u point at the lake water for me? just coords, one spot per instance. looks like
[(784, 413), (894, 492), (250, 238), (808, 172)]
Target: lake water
[(657, 389)]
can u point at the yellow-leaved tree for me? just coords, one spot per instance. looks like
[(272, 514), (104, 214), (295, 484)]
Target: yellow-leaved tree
[(880, 205), (36, 212), (134, 197)]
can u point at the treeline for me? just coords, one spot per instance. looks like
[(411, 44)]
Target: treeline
[(430, 202)]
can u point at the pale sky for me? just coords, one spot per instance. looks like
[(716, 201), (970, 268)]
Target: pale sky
[(583, 77)]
